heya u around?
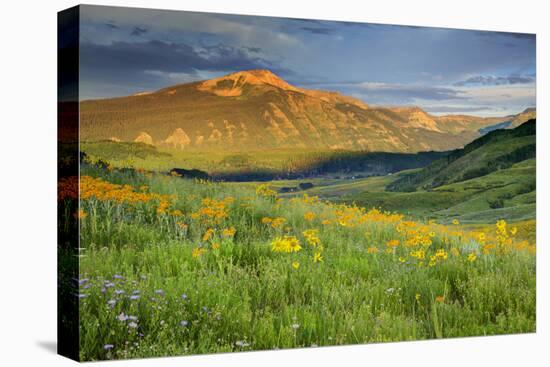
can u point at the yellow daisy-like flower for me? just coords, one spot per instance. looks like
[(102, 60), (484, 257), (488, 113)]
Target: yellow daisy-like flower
[(176, 213), (229, 232), (312, 237), (285, 244), (215, 246), (317, 257), (198, 252), (208, 234), (277, 222), (472, 257), (456, 222), (295, 264), (309, 216), (392, 243)]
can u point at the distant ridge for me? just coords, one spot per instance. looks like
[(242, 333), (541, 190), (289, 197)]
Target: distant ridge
[(257, 110), (498, 149)]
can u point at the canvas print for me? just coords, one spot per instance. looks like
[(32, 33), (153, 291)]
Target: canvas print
[(232, 183)]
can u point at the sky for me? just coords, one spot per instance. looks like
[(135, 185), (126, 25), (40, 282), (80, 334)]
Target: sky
[(124, 51)]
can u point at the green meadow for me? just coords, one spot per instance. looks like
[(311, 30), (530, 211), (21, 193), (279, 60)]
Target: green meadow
[(164, 271), (288, 249)]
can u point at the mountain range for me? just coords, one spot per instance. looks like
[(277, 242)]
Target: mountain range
[(257, 110)]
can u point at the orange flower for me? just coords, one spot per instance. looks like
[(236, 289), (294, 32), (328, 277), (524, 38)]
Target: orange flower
[(80, 214)]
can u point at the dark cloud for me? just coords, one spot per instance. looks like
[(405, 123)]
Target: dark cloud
[(255, 50), (454, 109), (138, 31), (111, 25), (495, 80), (403, 93), (127, 66), (317, 30), (168, 57)]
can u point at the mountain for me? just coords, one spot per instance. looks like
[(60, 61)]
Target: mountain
[(257, 110), (512, 121), (497, 150), (527, 114)]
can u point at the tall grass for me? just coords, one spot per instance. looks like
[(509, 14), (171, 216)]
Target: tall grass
[(152, 283)]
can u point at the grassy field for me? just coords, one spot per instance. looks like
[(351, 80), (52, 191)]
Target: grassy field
[(172, 266), (507, 194), (272, 163)]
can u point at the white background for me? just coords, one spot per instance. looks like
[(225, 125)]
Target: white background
[(28, 181)]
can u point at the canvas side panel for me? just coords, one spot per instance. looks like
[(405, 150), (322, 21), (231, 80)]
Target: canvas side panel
[(68, 176)]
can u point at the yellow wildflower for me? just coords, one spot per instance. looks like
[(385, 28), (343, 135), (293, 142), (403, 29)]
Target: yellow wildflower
[(312, 237), (176, 213), (317, 257), (208, 234), (229, 232), (198, 251), (265, 191), (286, 244), (392, 243), (277, 222), (309, 216)]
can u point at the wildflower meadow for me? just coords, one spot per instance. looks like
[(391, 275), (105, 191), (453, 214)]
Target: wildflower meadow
[(170, 266)]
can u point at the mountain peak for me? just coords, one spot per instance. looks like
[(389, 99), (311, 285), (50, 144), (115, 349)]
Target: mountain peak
[(231, 85)]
